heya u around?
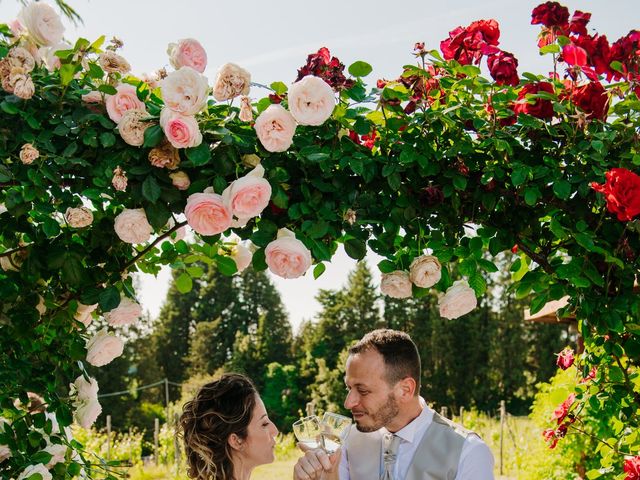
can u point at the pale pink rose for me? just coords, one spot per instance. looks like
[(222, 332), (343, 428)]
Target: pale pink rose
[(28, 153), (126, 313), (39, 468), (396, 284), (10, 263), (23, 87), (21, 58), (79, 217), (119, 180), (111, 62), (180, 180), (181, 131), (132, 126), (5, 453), (179, 234), (87, 413), (16, 27), (85, 389), (84, 313), (231, 81), (275, 128), (311, 100), (458, 300), (57, 452), (425, 271), (246, 112), (187, 53), (125, 99), (185, 91), (103, 348), (93, 97), (249, 195), (48, 55), (132, 226), (42, 22), (207, 213), (164, 155), (242, 256), (287, 256), (41, 307)]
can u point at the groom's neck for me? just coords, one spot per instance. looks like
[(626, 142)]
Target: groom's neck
[(407, 414)]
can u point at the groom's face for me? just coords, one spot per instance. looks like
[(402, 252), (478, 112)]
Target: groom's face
[(369, 397)]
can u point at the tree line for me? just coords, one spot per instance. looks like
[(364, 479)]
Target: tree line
[(240, 324)]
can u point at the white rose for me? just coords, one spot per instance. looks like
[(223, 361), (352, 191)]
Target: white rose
[(396, 284), (79, 217), (185, 91), (231, 81), (42, 22), (242, 256), (425, 271), (458, 300), (132, 226), (33, 469), (87, 412), (57, 452), (48, 54), (85, 389), (275, 128), (124, 314), (83, 313), (103, 348), (311, 101)]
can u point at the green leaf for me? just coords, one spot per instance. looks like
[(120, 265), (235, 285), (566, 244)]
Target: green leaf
[(226, 265), (355, 248), (107, 89), (152, 136), (360, 69), (184, 283), (387, 266), (537, 303), (41, 457), (150, 189), (50, 227), (478, 283), (562, 189), (107, 139), (318, 230), (73, 271), (199, 155), (67, 71), (109, 298), (459, 182), (279, 88), (258, 260), (318, 270), (487, 265), (522, 270)]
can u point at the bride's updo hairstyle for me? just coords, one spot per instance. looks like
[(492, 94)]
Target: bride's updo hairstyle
[(219, 409)]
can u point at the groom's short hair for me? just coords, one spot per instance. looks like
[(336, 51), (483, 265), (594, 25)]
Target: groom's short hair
[(400, 354)]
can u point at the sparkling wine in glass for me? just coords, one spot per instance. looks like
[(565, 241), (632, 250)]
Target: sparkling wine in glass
[(308, 431), (335, 428)]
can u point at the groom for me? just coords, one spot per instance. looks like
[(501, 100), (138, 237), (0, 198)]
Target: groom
[(397, 437)]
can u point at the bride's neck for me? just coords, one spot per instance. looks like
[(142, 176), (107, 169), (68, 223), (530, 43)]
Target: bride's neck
[(241, 472)]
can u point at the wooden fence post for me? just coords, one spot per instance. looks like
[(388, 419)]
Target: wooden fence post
[(503, 412), (108, 438), (156, 435)]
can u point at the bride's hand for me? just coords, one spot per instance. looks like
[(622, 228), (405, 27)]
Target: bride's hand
[(316, 464)]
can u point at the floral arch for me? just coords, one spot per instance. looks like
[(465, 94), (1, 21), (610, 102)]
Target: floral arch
[(101, 170)]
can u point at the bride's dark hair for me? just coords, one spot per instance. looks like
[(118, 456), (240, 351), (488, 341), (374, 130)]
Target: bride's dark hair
[(219, 409)]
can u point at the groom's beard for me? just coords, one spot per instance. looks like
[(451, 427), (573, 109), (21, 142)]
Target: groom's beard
[(381, 417)]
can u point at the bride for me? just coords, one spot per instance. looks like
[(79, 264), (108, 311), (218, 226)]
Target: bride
[(226, 430)]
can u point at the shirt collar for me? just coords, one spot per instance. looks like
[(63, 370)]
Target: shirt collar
[(419, 424)]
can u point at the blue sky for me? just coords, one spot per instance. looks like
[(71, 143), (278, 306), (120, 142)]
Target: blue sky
[(272, 39)]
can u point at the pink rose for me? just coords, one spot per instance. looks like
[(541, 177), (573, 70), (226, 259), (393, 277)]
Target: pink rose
[(57, 452), (87, 413), (86, 402), (242, 256), (103, 348), (124, 314), (85, 389), (246, 111), (311, 100), (287, 256), (28, 153), (125, 99), (565, 358), (42, 22), (180, 180), (187, 53), (248, 196), (79, 217), (132, 226), (458, 300), (185, 91), (275, 128), (181, 131), (48, 54), (84, 313), (425, 271), (396, 284), (119, 180), (207, 213), (231, 81), (92, 97)]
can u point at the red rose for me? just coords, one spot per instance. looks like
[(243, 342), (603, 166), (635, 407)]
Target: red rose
[(578, 24), (541, 108), (632, 468), (625, 51), (550, 14), (574, 55), (598, 52), (563, 409), (593, 99), (330, 69), (550, 437), (622, 192), (565, 358), (467, 45), (503, 68)]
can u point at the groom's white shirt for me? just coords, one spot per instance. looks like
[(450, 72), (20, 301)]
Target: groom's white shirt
[(476, 459)]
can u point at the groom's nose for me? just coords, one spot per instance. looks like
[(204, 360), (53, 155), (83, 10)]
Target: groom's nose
[(351, 400)]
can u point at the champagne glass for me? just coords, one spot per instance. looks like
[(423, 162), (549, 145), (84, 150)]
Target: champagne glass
[(308, 431), (335, 428)]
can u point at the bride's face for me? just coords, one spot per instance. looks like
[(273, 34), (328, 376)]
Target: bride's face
[(260, 441)]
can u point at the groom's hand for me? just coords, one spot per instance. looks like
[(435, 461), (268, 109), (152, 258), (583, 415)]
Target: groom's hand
[(316, 464)]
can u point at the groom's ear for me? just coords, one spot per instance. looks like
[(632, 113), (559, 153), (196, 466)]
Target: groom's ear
[(235, 442), (407, 388)]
